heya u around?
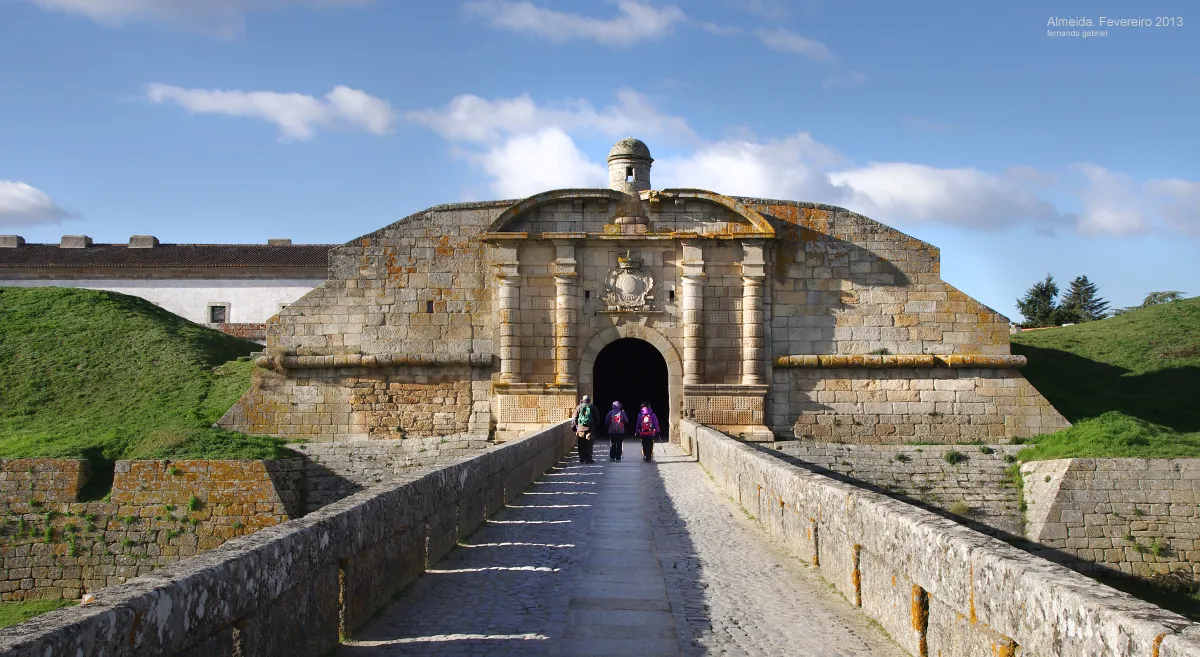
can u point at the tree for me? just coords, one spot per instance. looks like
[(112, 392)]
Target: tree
[(1081, 303), (1155, 298), (1038, 306)]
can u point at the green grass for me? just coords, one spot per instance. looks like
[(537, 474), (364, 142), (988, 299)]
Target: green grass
[(1145, 364), (15, 613), (1128, 384), (108, 376), (1114, 435)]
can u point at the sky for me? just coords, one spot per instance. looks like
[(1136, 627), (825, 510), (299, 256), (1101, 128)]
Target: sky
[(1019, 153)]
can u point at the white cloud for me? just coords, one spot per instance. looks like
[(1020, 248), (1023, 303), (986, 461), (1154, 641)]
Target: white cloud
[(22, 204), (965, 197), (636, 21), (524, 147), (1111, 203), (843, 80), (545, 160), (222, 17), (793, 167), (789, 42), (720, 30), (297, 115), (470, 118), (765, 8), (1182, 211)]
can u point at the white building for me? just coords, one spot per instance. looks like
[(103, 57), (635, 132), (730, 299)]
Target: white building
[(233, 287)]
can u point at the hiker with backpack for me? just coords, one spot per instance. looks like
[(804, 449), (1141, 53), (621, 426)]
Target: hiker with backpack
[(585, 420), (616, 421), (647, 429)]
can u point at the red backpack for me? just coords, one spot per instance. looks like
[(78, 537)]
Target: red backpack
[(645, 426)]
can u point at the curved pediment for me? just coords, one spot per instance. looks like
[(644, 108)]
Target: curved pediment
[(664, 213)]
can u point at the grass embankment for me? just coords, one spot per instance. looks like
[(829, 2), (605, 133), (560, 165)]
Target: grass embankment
[(1129, 384), (15, 613), (108, 376)]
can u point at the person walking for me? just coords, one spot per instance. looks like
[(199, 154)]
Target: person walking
[(616, 421), (585, 421), (647, 429)]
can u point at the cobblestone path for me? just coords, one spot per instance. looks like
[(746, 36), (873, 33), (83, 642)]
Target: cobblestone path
[(627, 558)]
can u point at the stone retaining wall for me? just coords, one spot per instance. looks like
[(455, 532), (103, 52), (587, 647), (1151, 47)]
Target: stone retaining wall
[(895, 406), (158, 512), (365, 402), (1139, 516), (975, 483), (41, 480), (935, 586), (293, 588)]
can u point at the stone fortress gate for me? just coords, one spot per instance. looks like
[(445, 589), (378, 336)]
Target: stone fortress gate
[(757, 317)]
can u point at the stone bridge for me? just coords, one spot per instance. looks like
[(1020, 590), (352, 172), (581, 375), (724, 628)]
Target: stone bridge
[(715, 547)]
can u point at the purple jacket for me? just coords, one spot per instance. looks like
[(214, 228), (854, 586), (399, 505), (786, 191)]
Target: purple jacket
[(653, 420)]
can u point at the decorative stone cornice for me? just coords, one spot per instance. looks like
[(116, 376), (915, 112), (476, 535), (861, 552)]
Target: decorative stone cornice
[(897, 361), (293, 362)]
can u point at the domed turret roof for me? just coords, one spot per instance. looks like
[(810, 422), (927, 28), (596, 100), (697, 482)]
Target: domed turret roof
[(630, 148)]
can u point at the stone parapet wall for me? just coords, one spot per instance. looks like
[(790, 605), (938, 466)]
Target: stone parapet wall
[(42, 480), (1138, 516), (157, 513), (292, 589), (935, 586), (895, 406), (974, 483), (336, 470)]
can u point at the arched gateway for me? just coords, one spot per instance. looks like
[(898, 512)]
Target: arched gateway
[(632, 363), (769, 316)]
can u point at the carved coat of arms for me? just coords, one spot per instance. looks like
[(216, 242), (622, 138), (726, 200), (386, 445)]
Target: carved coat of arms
[(628, 287)]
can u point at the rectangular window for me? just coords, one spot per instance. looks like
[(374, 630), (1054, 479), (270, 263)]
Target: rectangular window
[(218, 314), (428, 306), (587, 294), (671, 294)]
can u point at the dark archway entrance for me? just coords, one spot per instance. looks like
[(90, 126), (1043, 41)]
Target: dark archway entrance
[(632, 371)]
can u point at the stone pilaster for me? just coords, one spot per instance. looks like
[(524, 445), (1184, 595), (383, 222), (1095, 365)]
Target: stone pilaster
[(509, 312), (693, 313), (566, 314), (753, 316)]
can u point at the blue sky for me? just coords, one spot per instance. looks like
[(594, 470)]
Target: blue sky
[(964, 124)]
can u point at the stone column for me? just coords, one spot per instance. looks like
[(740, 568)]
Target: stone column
[(566, 315), (508, 304), (753, 316), (693, 313)]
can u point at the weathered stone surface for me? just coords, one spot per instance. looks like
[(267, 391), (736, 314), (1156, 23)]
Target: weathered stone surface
[(1138, 516), (283, 590), (157, 513), (974, 595), (474, 317), (977, 486)]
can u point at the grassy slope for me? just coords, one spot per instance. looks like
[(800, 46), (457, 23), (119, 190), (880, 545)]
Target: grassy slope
[(15, 613), (113, 376), (1129, 384)]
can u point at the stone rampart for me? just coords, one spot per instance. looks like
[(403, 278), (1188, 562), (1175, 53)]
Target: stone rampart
[(968, 480), (157, 513), (1138, 516), (935, 586), (293, 588), (898, 405)]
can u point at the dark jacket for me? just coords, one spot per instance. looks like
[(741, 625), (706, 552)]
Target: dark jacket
[(613, 414)]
